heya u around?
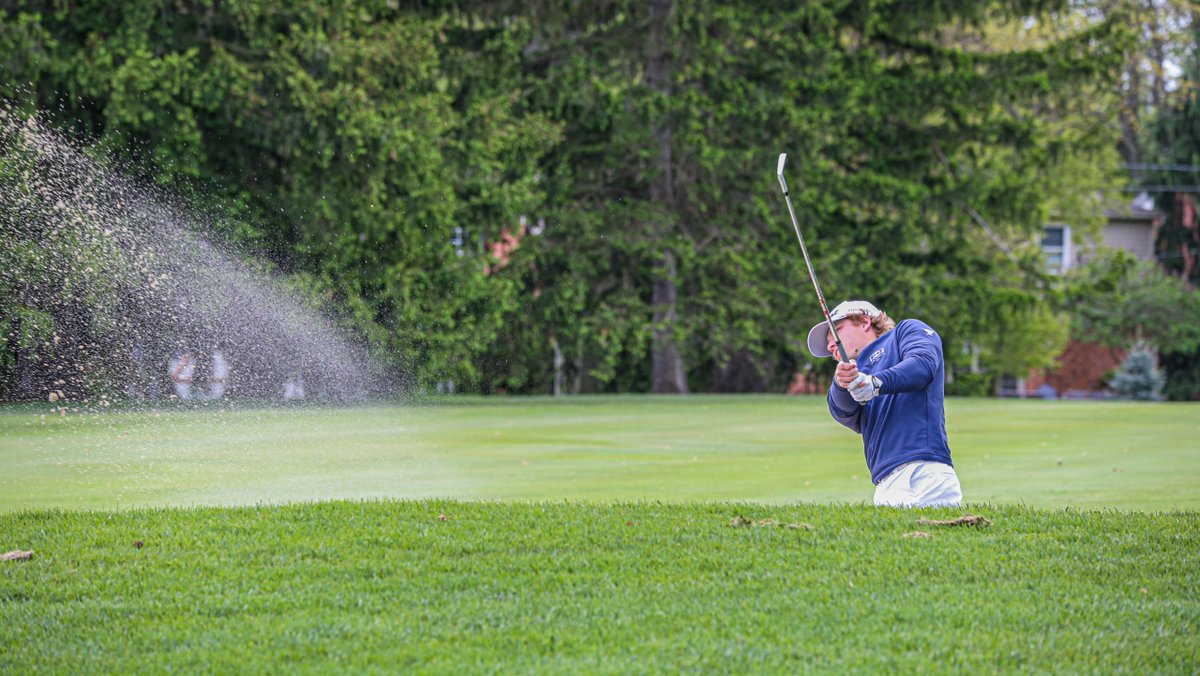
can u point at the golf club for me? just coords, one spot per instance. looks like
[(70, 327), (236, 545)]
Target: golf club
[(811, 273)]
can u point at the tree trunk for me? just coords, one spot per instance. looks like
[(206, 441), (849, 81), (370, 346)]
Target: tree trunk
[(559, 361), (667, 372), (1158, 86), (742, 373), (1130, 145)]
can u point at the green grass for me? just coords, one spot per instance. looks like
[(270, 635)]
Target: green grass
[(464, 587), (593, 535), (769, 449)]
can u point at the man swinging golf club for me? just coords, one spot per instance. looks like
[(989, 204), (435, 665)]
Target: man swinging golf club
[(895, 400), (891, 390)]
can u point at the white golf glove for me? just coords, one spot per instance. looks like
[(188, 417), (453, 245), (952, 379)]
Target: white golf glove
[(864, 388)]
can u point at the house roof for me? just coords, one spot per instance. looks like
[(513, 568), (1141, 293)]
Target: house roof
[(1140, 208)]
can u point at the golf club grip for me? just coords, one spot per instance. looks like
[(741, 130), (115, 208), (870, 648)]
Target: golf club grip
[(841, 350)]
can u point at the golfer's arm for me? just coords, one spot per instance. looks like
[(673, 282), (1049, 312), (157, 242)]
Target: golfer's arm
[(922, 356), (844, 409)]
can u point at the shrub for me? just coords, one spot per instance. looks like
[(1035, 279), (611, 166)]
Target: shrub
[(1138, 377), (970, 385)]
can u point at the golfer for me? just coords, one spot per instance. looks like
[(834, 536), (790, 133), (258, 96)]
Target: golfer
[(892, 392), (183, 370)]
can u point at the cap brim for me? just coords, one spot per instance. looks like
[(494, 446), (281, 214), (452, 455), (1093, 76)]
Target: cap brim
[(817, 343)]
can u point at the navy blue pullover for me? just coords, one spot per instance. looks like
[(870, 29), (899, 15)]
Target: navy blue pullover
[(907, 420)]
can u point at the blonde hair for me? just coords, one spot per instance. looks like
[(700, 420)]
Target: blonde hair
[(881, 323)]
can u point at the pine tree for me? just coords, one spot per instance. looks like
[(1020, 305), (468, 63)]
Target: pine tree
[(1138, 378)]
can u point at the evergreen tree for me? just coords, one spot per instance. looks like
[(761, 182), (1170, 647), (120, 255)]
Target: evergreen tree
[(899, 139), (1174, 146), (353, 141), (1138, 377), (348, 142)]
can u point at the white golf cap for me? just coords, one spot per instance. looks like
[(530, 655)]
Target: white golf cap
[(818, 334)]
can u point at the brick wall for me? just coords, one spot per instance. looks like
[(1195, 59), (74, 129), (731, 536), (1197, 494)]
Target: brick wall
[(1081, 368)]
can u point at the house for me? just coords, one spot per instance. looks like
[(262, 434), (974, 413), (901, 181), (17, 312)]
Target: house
[(1083, 367)]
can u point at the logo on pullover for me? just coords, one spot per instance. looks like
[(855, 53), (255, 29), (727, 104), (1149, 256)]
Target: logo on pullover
[(876, 356)]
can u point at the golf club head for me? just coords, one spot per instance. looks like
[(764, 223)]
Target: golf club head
[(779, 172)]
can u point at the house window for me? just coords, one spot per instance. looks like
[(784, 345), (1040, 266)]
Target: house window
[(1056, 246), (1011, 386)]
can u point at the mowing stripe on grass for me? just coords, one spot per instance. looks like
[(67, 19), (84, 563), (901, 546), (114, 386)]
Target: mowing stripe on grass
[(621, 587), (771, 449)]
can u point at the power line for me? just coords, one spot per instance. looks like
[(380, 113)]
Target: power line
[(1150, 167), (1163, 188)]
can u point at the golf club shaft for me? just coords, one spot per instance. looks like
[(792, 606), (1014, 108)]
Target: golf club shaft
[(807, 261)]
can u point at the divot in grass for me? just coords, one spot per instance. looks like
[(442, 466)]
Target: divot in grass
[(740, 521), (965, 520), (16, 555)]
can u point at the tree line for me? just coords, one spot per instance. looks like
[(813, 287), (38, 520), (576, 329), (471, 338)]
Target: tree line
[(580, 196)]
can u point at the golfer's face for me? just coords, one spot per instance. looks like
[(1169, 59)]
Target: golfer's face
[(855, 335)]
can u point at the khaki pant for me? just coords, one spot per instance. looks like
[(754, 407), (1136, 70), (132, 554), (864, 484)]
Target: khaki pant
[(920, 484)]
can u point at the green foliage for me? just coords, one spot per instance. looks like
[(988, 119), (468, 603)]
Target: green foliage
[(1182, 375), (970, 385), (1174, 141), (891, 134), (348, 142), (570, 587), (1116, 300), (1173, 138)]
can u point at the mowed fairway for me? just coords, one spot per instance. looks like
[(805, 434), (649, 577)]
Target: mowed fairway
[(769, 449), (630, 535)]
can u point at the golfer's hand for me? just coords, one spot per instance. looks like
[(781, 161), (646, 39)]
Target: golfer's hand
[(846, 373), (863, 388)]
